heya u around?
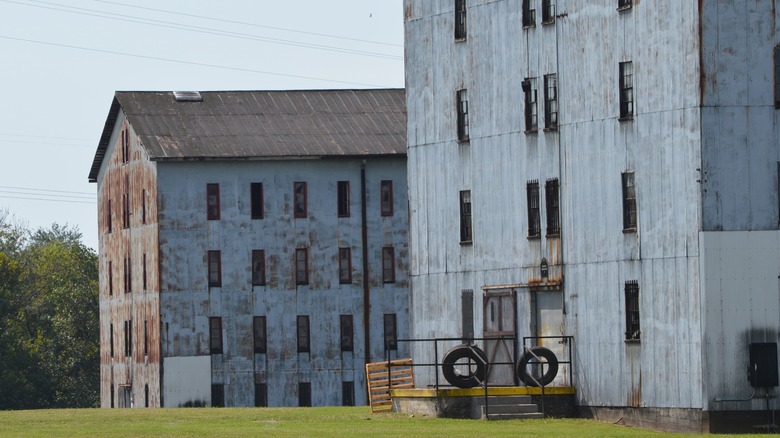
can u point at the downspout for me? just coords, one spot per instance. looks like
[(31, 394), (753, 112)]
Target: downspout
[(366, 287)]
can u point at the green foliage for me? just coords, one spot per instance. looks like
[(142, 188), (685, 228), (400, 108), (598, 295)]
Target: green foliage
[(49, 316)]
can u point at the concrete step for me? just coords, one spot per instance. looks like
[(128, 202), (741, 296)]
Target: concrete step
[(526, 416), (524, 408)]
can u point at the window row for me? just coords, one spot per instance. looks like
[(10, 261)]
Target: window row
[(127, 275), (126, 211), (304, 394), (128, 338), (303, 334), (300, 200), (214, 266)]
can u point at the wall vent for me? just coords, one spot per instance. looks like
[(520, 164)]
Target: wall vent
[(187, 96)]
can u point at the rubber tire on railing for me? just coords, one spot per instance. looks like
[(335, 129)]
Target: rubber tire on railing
[(463, 351), (548, 376)]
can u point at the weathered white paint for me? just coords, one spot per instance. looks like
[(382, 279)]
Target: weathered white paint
[(187, 380)]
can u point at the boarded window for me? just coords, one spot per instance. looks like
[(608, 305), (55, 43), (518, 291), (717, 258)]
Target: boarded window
[(302, 266), (626, 91), (108, 217), (110, 275), (256, 200), (390, 332), (129, 338), (777, 77), (467, 313), (112, 395), (215, 268), (388, 264), (261, 395), (529, 13), (125, 145), (304, 394), (218, 395), (343, 198), (146, 338), (144, 271), (300, 208), (258, 267), (146, 396), (632, 311), (212, 202), (534, 221), (125, 211), (460, 19), (261, 346), (550, 102), (386, 197), (347, 332), (111, 338), (143, 206), (530, 94), (303, 334), (463, 114), (215, 335), (345, 265), (128, 275), (465, 216), (548, 11), (348, 393), (552, 202), (629, 202)]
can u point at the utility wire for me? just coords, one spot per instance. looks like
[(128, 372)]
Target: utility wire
[(244, 23), (5, 134), (45, 143), (48, 190), (199, 29), (200, 64), (48, 200)]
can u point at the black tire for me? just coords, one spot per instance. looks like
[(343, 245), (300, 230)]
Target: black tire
[(463, 351), (526, 358)]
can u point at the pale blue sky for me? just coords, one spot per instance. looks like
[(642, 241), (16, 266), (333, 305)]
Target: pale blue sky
[(62, 60)]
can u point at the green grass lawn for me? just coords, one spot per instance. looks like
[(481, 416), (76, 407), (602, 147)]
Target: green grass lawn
[(292, 422)]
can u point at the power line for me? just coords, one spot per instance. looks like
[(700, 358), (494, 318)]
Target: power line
[(13, 192), (47, 190), (199, 29), (48, 200), (46, 143), (251, 24), (5, 134), (200, 64)]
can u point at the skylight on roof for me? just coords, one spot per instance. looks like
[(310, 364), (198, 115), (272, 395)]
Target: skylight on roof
[(187, 96)]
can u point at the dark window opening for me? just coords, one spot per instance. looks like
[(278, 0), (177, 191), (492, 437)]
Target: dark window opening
[(343, 198), (110, 275), (633, 332), (256, 200), (345, 265), (388, 264), (304, 394), (128, 275), (258, 267), (215, 268), (347, 332), (624, 4), (111, 338), (143, 206), (129, 338), (626, 91), (529, 14), (125, 211), (386, 197), (390, 332), (146, 338), (144, 271), (300, 208), (261, 346), (530, 93), (534, 221), (212, 202), (548, 11), (108, 218), (348, 393), (302, 266), (146, 396), (302, 323), (112, 396), (463, 115), (215, 335), (629, 202), (777, 77), (218, 395), (465, 216), (467, 314), (460, 19), (125, 145), (261, 395), (552, 202), (550, 102)]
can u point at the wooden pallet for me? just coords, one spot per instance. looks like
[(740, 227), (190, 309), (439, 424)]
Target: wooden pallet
[(380, 382)]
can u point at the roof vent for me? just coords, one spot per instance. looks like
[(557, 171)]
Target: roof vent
[(187, 96)]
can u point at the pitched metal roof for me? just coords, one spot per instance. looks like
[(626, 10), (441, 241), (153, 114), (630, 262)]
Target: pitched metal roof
[(229, 125)]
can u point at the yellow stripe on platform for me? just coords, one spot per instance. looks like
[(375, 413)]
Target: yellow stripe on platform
[(476, 392)]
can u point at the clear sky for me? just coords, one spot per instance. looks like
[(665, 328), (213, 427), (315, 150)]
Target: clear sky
[(62, 60)]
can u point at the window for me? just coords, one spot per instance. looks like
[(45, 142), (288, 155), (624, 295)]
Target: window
[(128, 275), (112, 396), (215, 268), (343, 198), (261, 395), (144, 271), (629, 202), (529, 91), (256, 200), (632, 311), (345, 266), (304, 394), (390, 332), (129, 338), (303, 334), (465, 216), (348, 393), (534, 222), (552, 202), (108, 218), (215, 335), (217, 395), (125, 145), (261, 346), (386, 197), (467, 314), (624, 4), (463, 115), (550, 102), (258, 267), (777, 78), (529, 14), (143, 206), (626, 91), (460, 19), (212, 202), (299, 196), (125, 211), (146, 338), (111, 338), (548, 11), (302, 266), (110, 275), (146, 396), (347, 333), (388, 264)]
